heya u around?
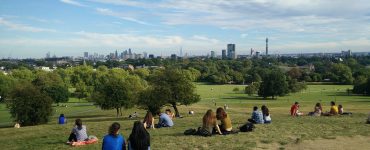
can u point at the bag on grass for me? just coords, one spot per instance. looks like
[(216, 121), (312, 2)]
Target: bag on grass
[(248, 127), (203, 132), (190, 131)]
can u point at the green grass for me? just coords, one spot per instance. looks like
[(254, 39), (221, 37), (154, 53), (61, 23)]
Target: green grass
[(283, 132)]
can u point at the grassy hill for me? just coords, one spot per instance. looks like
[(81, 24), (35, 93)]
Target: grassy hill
[(285, 132)]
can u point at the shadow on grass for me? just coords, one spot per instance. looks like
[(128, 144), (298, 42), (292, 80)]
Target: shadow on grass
[(109, 119), (247, 98), (86, 116)]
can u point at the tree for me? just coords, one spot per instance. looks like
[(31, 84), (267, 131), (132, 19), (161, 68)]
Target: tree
[(295, 86), (58, 93), (22, 74), (28, 105), (81, 90), (252, 88), (6, 84), (51, 84), (295, 73), (273, 84), (176, 87), (360, 85), (151, 99), (343, 72), (118, 92)]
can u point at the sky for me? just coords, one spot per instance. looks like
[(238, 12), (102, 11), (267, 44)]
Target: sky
[(31, 28)]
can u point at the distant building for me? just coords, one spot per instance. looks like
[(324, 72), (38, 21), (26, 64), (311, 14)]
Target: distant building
[(86, 54), (151, 56), (231, 51), (213, 54), (145, 55), (257, 54), (252, 51), (224, 54), (173, 56), (267, 46), (48, 55), (347, 53)]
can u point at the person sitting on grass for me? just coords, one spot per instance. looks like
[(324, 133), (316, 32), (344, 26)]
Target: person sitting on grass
[(113, 140), (62, 119), (368, 119), (225, 126), (333, 110), (78, 132), (257, 117), (148, 120), (210, 123), (164, 120), (139, 138), (266, 114), (317, 110), (170, 114), (294, 110), (341, 111)]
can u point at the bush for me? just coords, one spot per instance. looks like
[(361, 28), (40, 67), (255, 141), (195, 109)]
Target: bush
[(29, 106)]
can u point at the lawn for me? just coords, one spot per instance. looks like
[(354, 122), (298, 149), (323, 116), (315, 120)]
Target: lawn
[(285, 132)]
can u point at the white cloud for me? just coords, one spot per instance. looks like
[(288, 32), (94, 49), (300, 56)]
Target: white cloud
[(22, 27), (205, 39), (243, 35), (123, 16), (73, 2)]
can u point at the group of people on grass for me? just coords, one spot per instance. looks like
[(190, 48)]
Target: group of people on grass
[(334, 110), (259, 117), (210, 122)]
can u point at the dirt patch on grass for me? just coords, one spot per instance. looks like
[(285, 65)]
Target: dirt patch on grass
[(347, 143)]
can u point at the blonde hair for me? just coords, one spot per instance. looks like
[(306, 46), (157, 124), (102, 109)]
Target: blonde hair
[(209, 118)]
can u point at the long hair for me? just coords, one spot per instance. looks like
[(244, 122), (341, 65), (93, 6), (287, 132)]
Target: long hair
[(265, 110), (113, 129), (78, 123), (139, 137), (148, 118), (220, 113), (209, 118), (319, 105)]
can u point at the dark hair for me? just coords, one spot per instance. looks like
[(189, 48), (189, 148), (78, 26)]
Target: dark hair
[(255, 108), (114, 128), (169, 110), (61, 115), (318, 105), (220, 113), (332, 103), (148, 118), (139, 138), (78, 123), (265, 110), (340, 106), (296, 103)]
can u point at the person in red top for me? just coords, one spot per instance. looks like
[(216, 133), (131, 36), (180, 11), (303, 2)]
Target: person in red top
[(294, 110)]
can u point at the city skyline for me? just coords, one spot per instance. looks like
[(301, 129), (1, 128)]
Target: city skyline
[(71, 27)]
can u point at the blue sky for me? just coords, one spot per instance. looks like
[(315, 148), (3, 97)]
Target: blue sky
[(31, 28)]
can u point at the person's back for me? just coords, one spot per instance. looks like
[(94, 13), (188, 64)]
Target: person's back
[(333, 110), (294, 109), (165, 120), (111, 142), (61, 120), (80, 133), (258, 117), (226, 123), (139, 138)]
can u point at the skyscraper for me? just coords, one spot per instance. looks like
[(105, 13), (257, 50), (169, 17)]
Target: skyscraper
[(213, 54), (231, 51), (86, 54), (267, 46), (224, 54)]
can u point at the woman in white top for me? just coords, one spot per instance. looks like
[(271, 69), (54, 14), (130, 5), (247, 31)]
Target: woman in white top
[(266, 114)]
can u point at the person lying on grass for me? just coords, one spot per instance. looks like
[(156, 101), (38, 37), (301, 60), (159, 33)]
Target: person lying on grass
[(341, 111), (266, 114), (225, 126), (78, 132), (113, 140), (139, 138), (257, 117)]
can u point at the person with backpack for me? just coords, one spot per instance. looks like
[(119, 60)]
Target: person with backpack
[(113, 140)]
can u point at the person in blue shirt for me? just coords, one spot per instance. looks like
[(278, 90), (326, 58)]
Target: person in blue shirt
[(113, 140), (139, 138), (257, 117), (164, 120), (62, 119)]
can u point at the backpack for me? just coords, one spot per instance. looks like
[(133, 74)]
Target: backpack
[(203, 132), (248, 127), (190, 131)]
